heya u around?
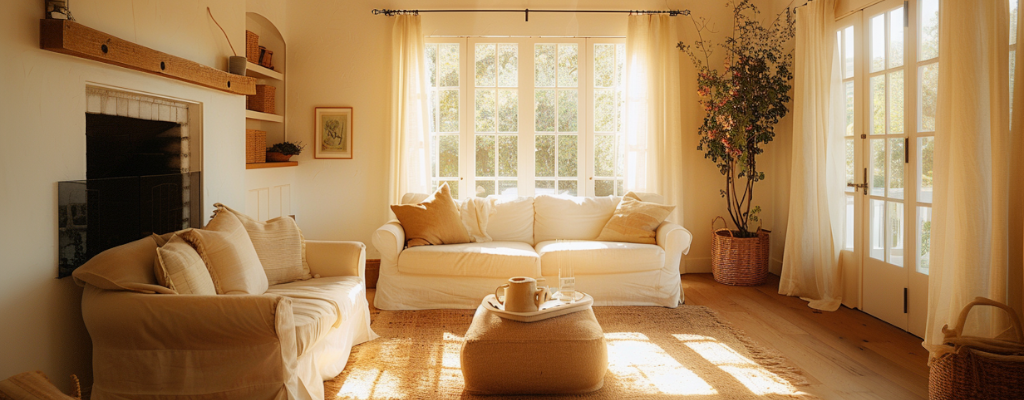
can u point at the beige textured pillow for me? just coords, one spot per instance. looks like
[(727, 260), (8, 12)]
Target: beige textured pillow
[(180, 268), (228, 253), (437, 220), (635, 221), (125, 267), (280, 246)]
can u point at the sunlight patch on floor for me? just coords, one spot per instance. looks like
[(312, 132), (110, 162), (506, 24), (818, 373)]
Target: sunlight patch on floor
[(451, 362), (645, 366), (752, 375)]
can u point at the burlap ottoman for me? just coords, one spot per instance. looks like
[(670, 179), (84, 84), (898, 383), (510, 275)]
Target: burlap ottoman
[(561, 355)]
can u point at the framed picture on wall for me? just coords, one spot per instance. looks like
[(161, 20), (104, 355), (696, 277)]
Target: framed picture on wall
[(333, 133)]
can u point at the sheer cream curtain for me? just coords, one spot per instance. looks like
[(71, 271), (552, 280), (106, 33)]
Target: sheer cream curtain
[(654, 135), (810, 266), (969, 244), (409, 143), (1016, 272)]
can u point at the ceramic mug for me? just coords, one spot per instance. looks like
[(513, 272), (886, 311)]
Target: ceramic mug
[(522, 295)]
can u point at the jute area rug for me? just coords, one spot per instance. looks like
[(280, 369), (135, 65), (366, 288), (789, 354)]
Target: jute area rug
[(653, 353)]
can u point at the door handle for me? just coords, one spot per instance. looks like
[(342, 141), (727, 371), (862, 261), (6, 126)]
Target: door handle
[(863, 185)]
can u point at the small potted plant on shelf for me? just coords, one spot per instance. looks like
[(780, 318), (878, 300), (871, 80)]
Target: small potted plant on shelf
[(281, 152), (743, 102)]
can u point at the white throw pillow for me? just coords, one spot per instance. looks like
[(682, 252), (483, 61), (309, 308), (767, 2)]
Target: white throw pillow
[(512, 220), (571, 218)]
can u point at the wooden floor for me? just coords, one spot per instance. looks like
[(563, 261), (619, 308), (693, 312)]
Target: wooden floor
[(845, 354)]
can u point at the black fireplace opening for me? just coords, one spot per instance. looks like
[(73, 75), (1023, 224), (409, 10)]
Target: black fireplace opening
[(135, 186)]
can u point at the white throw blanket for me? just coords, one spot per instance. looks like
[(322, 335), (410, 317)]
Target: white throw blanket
[(476, 212)]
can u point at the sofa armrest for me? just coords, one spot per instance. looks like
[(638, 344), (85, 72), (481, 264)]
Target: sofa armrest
[(672, 237), (389, 241), (137, 321), (336, 258)]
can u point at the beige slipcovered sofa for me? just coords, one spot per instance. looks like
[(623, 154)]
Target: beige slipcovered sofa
[(151, 343), (532, 236)]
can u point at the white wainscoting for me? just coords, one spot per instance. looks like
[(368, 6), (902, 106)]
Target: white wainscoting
[(269, 202)]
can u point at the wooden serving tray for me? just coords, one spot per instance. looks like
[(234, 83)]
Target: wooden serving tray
[(550, 309)]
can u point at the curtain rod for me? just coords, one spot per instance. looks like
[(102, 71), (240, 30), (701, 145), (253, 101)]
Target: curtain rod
[(527, 11)]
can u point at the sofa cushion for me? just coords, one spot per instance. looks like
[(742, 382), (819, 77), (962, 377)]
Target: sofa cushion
[(486, 260), (436, 220), (180, 268), (512, 220), (229, 255), (597, 258), (572, 218), (317, 305), (279, 245), (125, 267), (634, 221)]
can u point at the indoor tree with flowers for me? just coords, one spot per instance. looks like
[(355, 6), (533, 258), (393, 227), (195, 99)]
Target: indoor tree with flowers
[(744, 101)]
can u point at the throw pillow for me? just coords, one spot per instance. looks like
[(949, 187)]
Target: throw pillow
[(228, 253), (279, 244), (436, 220), (635, 221), (180, 268), (476, 212)]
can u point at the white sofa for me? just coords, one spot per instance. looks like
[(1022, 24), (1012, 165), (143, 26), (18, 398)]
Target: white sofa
[(151, 343), (532, 236)]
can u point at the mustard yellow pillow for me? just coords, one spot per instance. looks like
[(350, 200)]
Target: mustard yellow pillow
[(437, 220), (229, 255), (635, 221), (180, 268), (279, 244)]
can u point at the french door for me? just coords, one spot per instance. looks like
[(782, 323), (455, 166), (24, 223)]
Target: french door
[(891, 88)]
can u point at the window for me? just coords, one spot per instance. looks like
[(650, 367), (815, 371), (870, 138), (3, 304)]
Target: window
[(927, 89), (845, 43), (526, 116)]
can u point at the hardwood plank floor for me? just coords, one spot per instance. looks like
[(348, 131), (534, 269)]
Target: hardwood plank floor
[(845, 354)]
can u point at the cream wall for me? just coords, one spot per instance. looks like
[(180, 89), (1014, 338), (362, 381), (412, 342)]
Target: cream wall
[(42, 141), (339, 56)]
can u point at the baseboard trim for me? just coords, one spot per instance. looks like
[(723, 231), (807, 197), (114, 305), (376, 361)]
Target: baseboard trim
[(372, 273)]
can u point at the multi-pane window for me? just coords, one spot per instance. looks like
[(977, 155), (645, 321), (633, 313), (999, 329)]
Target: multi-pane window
[(443, 82), (556, 118), (609, 104), (484, 136), (845, 43), (886, 136), (496, 118), (924, 140)]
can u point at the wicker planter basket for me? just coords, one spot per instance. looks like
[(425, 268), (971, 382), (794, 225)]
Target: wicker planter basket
[(252, 47), (263, 100), (978, 368), (255, 146), (739, 261)]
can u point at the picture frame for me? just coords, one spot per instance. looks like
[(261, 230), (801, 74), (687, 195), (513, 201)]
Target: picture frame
[(333, 136)]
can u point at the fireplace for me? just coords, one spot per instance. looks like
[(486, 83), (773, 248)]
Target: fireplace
[(141, 176)]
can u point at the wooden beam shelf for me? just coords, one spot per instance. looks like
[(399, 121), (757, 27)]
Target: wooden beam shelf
[(271, 165), (260, 116), (78, 40)]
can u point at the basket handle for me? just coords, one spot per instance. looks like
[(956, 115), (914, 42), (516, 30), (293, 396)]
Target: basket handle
[(958, 330), (724, 224)]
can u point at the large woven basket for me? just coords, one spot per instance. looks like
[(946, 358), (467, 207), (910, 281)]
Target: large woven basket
[(739, 261), (255, 146), (978, 368), (252, 47), (263, 100)]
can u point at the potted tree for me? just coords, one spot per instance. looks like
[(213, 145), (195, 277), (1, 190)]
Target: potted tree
[(283, 151), (743, 103)]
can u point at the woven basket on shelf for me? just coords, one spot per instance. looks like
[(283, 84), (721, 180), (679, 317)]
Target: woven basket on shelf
[(266, 58), (255, 146), (978, 368), (263, 100), (739, 261), (252, 47)]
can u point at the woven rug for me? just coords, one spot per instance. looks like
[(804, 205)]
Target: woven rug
[(653, 353)]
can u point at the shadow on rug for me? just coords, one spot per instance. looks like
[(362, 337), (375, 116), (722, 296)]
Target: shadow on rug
[(653, 353)]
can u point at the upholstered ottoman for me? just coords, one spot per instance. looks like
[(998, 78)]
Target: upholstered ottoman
[(561, 355)]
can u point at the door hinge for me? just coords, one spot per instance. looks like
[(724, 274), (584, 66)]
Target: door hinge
[(906, 14), (906, 150), (904, 300)]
